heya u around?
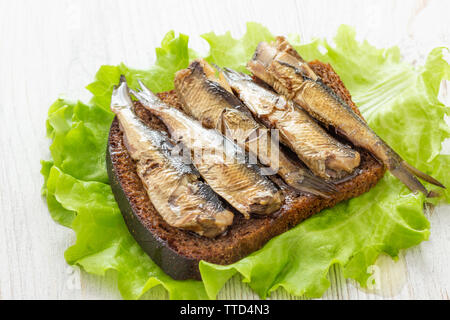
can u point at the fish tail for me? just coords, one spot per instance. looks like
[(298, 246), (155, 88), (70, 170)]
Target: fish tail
[(408, 174), (120, 97), (232, 75), (311, 184), (404, 175), (422, 175), (145, 96)]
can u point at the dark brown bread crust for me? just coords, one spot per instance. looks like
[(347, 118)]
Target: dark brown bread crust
[(178, 252)]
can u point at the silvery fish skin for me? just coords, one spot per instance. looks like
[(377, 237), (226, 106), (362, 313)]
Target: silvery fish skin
[(174, 188), (210, 100), (281, 66), (323, 154), (217, 159)]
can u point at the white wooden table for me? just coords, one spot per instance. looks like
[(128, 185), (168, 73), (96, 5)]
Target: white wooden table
[(49, 48)]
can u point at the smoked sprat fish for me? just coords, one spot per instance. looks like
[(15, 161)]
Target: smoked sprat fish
[(281, 66), (209, 99), (323, 154), (217, 159), (174, 188)]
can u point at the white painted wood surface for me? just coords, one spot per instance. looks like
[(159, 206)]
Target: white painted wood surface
[(53, 47)]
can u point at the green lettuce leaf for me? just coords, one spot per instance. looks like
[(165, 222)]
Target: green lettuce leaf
[(88, 207), (398, 100), (172, 56), (225, 51)]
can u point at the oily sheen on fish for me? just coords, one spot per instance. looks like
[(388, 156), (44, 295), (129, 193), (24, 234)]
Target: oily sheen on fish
[(219, 161)]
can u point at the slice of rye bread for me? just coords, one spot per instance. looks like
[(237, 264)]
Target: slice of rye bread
[(178, 252)]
